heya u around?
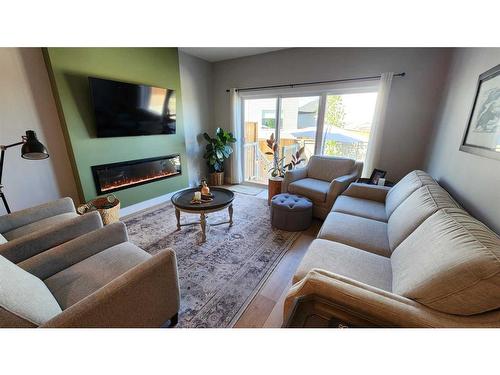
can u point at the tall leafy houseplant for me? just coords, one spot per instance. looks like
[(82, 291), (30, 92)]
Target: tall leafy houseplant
[(217, 150), (279, 169)]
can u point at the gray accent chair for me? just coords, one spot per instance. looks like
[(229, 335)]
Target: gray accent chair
[(98, 279), (322, 180), (406, 256), (24, 222)]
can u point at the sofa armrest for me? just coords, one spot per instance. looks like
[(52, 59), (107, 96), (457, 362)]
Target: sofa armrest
[(37, 242), (353, 302), (30, 215), (358, 167), (58, 258), (338, 186), (291, 176), (364, 191), (145, 296)]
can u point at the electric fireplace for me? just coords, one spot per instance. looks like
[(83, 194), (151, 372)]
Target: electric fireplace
[(122, 175)]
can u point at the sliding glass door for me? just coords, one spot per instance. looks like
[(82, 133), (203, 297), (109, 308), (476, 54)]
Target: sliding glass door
[(299, 119), (336, 123), (347, 124), (259, 123)]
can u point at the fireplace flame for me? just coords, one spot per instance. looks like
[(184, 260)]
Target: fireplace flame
[(133, 181)]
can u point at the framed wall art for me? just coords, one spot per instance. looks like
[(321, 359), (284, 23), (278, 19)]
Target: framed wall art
[(482, 135)]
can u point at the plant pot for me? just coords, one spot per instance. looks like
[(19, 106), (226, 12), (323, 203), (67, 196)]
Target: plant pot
[(216, 179), (274, 188)]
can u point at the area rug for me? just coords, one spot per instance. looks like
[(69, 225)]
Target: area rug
[(245, 189), (218, 278)]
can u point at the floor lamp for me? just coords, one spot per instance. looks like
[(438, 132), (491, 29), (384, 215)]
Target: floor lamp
[(32, 150)]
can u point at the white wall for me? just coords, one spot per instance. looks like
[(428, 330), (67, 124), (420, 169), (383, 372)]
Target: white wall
[(473, 180), (26, 103), (413, 100), (196, 86)]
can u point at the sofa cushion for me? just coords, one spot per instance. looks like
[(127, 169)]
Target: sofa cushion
[(328, 168), (21, 218), (38, 225), (404, 188), (360, 207), (346, 261), (84, 278), (25, 295), (314, 189), (450, 263), (360, 232), (421, 204)]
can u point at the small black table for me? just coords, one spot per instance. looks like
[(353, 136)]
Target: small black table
[(222, 198), (367, 181)]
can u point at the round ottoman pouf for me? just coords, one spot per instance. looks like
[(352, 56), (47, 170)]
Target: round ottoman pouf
[(291, 212)]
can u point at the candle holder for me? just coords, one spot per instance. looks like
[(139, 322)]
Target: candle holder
[(199, 198)]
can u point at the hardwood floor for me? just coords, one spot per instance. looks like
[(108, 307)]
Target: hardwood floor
[(266, 308)]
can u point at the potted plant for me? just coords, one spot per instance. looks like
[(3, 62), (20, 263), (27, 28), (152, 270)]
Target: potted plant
[(216, 151), (278, 170)]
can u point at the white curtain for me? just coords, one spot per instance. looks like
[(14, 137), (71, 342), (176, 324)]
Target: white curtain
[(372, 159), (236, 167)]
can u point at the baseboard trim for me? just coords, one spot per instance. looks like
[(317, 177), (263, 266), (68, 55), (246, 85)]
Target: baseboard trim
[(146, 204)]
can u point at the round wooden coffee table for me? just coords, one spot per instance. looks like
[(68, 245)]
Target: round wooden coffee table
[(222, 198)]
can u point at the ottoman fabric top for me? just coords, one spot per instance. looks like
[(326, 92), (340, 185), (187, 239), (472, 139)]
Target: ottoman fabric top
[(291, 202)]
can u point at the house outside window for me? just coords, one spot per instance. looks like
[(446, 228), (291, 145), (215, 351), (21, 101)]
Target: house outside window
[(268, 119)]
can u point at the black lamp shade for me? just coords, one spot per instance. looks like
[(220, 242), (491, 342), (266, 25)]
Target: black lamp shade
[(32, 148)]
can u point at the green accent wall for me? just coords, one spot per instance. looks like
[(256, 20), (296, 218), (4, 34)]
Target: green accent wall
[(70, 68)]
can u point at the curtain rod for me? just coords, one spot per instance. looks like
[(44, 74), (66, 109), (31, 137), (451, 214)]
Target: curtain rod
[(292, 85)]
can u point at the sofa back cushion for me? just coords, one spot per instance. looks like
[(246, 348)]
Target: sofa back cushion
[(404, 188), (30, 215), (450, 263), (328, 168), (412, 212), (25, 295)]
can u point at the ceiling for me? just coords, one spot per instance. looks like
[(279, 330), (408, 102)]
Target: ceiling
[(214, 54)]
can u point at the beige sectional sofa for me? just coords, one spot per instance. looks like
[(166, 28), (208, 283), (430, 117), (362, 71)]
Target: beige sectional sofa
[(407, 256)]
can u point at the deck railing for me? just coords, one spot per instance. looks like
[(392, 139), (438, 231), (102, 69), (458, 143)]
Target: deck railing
[(257, 163)]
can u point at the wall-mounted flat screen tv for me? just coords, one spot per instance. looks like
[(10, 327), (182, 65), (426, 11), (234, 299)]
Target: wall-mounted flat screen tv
[(124, 109)]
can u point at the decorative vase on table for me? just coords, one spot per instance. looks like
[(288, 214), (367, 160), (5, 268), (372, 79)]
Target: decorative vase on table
[(216, 151), (205, 190), (279, 168)]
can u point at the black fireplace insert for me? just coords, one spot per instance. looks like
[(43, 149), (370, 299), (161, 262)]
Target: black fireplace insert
[(122, 175)]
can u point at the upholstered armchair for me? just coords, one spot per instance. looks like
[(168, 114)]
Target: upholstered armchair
[(322, 180), (98, 279), (36, 242), (24, 222)]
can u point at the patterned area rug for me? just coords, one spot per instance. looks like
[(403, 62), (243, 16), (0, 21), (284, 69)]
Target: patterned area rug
[(245, 189), (219, 278)]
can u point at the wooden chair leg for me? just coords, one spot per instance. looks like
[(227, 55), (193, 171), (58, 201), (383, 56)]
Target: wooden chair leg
[(174, 320)]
